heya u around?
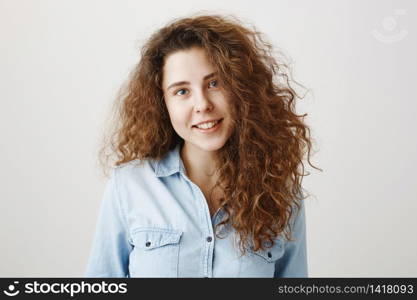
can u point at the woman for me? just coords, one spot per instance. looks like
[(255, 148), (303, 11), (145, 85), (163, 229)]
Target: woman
[(207, 181)]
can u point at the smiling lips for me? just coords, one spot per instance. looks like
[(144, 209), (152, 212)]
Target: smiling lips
[(205, 126)]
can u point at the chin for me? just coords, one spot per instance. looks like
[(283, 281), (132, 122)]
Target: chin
[(209, 146)]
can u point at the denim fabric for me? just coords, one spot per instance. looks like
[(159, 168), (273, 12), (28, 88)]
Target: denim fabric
[(155, 222)]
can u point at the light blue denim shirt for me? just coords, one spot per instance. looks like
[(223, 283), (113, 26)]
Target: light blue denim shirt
[(155, 222)]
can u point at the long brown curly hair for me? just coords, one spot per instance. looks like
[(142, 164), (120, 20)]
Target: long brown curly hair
[(261, 165)]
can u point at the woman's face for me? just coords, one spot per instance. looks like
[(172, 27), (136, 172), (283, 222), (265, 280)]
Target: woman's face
[(193, 96)]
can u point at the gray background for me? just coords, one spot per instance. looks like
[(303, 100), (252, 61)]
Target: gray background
[(62, 63)]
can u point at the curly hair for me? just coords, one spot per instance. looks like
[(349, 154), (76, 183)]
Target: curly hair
[(261, 164)]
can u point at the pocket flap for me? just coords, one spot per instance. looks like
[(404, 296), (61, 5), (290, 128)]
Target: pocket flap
[(150, 238), (271, 254)]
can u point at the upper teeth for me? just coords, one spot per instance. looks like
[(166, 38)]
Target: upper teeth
[(207, 125)]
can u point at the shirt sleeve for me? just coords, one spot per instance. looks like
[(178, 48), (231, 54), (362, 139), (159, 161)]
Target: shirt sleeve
[(109, 254), (294, 261)]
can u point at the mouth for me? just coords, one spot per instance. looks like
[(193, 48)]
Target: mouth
[(208, 126)]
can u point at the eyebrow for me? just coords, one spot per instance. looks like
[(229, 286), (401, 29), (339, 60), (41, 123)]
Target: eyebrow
[(187, 82)]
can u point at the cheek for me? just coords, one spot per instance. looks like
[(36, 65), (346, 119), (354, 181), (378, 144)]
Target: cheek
[(178, 116), (225, 102)]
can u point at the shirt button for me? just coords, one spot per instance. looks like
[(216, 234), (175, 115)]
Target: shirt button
[(269, 254), (148, 244), (209, 239)]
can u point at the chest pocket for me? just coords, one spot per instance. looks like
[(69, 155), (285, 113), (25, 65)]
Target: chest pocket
[(261, 263), (270, 255), (155, 252)]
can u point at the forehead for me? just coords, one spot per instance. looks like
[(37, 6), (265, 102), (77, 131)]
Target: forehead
[(186, 65)]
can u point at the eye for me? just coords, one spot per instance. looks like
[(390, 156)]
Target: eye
[(180, 92), (213, 83)]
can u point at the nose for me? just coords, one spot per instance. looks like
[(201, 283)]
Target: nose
[(202, 103)]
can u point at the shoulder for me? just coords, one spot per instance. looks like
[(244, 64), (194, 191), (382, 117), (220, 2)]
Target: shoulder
[(135, 170)]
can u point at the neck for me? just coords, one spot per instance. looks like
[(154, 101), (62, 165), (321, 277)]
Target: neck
[(200, 165)]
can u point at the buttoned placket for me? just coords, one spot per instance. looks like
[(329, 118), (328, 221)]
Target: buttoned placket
[(209, 239)]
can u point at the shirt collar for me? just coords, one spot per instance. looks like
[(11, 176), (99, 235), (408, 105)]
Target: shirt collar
[(170, 164)]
